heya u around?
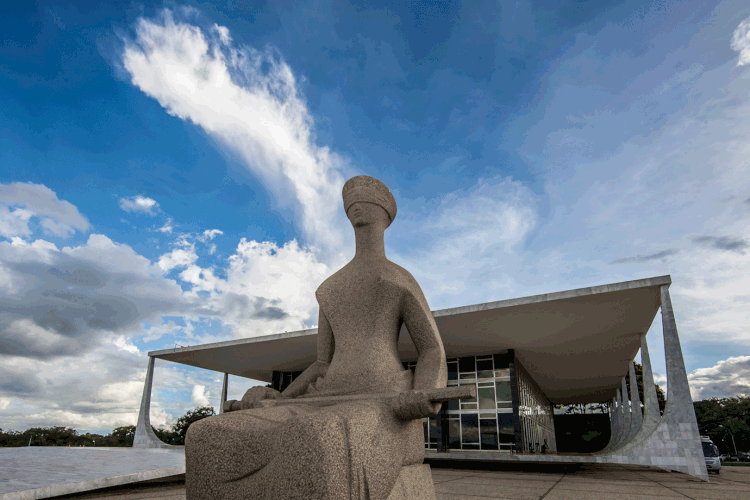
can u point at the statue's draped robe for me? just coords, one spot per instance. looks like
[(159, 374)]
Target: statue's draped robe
[(347, 451)]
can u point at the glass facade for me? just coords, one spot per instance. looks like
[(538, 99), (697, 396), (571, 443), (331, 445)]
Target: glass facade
[(510, 413)]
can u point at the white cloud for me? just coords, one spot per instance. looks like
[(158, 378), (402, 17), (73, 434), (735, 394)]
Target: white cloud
[(209, 234), (58, 217), (741, 42), (61, 302), (267, 289), (167, 227), (4, 403), (140, 203), (727, 378), (453, 245), (249, 101), (179, 257), (200, 396)]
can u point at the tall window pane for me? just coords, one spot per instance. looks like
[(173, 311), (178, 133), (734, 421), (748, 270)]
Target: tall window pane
[(486, 398), (469, 429), (488, 430), (503, 390), (484, 368), (454, 434)]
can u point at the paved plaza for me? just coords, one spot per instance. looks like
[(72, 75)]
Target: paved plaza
[(463, 481), (35, 472)]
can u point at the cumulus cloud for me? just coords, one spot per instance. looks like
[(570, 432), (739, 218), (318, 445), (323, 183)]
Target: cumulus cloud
[(95, 390), (57, 217), (727, 378), (267, 288), (140, 203), (63, 301), (179, 257), (741, 42), (200, 396), (249, 101)]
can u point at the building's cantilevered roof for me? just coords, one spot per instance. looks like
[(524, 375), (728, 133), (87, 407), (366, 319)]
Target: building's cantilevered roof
[(576, 344)]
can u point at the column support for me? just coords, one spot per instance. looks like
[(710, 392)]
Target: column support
[(144, 435), (675, 443), (224, 387)]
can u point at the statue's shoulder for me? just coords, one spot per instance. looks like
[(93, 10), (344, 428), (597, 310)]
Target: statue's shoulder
[(401, 277), (330, 283)]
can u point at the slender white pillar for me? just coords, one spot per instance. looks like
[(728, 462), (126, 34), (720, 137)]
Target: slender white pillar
[(224, 387), (144, 435)]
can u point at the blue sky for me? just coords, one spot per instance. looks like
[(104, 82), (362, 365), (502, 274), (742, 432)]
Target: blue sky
[(171, 174)]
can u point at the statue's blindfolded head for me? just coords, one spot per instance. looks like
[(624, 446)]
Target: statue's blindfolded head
[(369, 190)]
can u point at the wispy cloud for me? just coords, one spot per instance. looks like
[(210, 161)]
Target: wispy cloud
[(139, 203), (249, 101), (723, 243), (646, 258)]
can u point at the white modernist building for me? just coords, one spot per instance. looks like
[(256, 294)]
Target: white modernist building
[(524, 355)]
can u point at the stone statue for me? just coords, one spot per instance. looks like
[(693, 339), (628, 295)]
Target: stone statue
[(352, 449)]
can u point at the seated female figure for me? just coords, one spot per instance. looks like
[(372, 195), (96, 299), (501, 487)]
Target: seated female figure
[(352, 450)]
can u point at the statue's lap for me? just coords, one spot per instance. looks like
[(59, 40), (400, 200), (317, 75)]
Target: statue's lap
[(261, 448)]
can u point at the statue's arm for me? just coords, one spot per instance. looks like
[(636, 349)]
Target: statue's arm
[(320, 366), (431, 371)]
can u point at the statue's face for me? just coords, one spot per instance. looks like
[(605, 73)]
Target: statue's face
[(363, 213)]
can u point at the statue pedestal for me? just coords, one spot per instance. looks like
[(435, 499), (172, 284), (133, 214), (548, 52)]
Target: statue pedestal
[(414, 483)]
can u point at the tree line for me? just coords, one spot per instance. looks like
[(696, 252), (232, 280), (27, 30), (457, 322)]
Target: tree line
[(119, 437), (721, 419)]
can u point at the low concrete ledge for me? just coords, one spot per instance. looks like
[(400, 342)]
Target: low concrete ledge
[(93, 484)]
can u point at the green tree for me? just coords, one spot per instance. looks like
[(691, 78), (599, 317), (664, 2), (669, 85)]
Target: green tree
[(181, 426), (731, 413)]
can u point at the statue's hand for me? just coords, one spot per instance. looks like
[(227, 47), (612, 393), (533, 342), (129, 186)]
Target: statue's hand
[(251, 399), (412, 405)]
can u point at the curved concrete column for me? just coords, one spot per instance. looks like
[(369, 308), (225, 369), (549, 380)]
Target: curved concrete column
[(625, 415), (636, 417), (144, 435), (675, 443), (616, 423), (612, 429), (224, 387), (651, 412)]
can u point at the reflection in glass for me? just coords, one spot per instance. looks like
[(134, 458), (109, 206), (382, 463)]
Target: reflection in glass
[(452, 371), (484, 368), (486, 398), (436, 432), (502, 373), (503, 390), (469, 429), (454, 433), (488, 429)]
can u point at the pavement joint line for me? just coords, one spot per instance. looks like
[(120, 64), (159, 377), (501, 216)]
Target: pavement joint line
[(553, 486), (672, 489)]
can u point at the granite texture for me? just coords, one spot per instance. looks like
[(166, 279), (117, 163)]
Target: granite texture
[(355, 450)]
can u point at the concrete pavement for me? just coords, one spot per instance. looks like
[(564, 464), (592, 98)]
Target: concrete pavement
[(462, 481)]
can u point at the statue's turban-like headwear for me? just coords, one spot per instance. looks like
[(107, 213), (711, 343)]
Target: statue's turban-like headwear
[(370, 190)]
